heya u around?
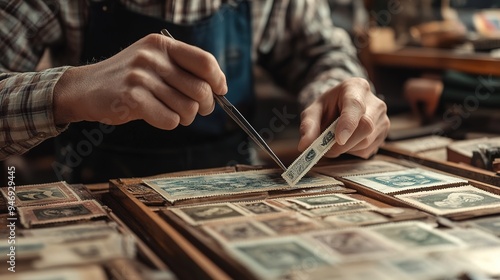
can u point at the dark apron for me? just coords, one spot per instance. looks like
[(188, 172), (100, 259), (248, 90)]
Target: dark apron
[(138, 149)]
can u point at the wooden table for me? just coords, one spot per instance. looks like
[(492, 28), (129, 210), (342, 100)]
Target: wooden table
[(438, 59)]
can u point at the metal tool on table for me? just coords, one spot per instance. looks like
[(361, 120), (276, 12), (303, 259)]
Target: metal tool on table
[(241, 121)]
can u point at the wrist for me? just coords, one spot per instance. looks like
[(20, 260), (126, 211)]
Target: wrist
[(65, 98)]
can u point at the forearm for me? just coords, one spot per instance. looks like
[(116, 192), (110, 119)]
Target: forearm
[(27, 110), (324, 80), (334, 60), (308, 55)]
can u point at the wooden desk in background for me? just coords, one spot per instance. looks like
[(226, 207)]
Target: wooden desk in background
[(437, 59), (390, 69)]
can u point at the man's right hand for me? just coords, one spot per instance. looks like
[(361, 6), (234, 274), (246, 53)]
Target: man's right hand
[(157, 79)]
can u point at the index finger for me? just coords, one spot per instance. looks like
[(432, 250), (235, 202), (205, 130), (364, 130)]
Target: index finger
[(351, 110), (198, 62)]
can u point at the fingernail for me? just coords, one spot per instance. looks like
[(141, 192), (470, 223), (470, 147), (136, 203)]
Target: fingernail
[(343, 137)]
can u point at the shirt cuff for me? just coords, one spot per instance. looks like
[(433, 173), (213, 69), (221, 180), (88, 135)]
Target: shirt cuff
[(28, 106)]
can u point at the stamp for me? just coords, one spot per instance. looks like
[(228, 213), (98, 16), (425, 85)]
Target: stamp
[(139, 189), (97, 250), (338, 209), (352, 243), (419, 266), (485, 260), (90, 271), (310, 156), (260, 207), (317, 201), (404, 180), (42, 194), (60, 212), (475, 238), (275, 257), (416, 236), (355, 219), (489, 224), (196, 215), (200, 186), (290, 224), (358, 168), (452, 200), (74, 232), (25, 248), (231, 231)]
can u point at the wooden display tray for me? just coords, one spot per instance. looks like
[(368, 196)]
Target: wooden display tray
[(145, 258), (191, 253), (186, 260)]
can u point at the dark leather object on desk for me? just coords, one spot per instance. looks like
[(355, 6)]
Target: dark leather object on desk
[(471, 90), (485, 157)]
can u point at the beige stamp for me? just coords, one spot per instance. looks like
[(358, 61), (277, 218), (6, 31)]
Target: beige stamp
[(237, 230), (290, 224), (355, 219), (325, 200), (452, 200), (488, 224), (338, 209), (273, 258), (41, 194), (358, 168), (196, 215), (60, 212), (354, 243), (417, 236), (261, 207), (405, 180), (92, 271)]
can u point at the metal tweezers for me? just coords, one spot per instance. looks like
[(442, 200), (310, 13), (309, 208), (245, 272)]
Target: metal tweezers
[(240, 120)]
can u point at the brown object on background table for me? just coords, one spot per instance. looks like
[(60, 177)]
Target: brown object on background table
[(423, 94), (496, 165)]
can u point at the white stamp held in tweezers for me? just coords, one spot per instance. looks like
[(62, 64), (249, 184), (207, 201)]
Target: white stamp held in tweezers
[(310, 156)]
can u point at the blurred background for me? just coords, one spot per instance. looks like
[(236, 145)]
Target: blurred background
[(434, 62)]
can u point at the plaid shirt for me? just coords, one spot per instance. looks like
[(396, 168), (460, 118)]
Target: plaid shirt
[(302, 50)]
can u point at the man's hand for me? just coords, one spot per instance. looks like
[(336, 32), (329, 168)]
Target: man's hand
[(363, 122), (157, 79)]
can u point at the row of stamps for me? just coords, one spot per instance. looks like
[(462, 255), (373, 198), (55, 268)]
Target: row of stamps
[(433, 192), (196, 215), (51, 203), (295, 239), (311, 205), (66, 235), (202, 186), (326, 250), (228, 222)]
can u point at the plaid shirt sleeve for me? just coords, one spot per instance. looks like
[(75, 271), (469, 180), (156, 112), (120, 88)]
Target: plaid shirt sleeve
[(26, 97), (302, 49), (27, 113)]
